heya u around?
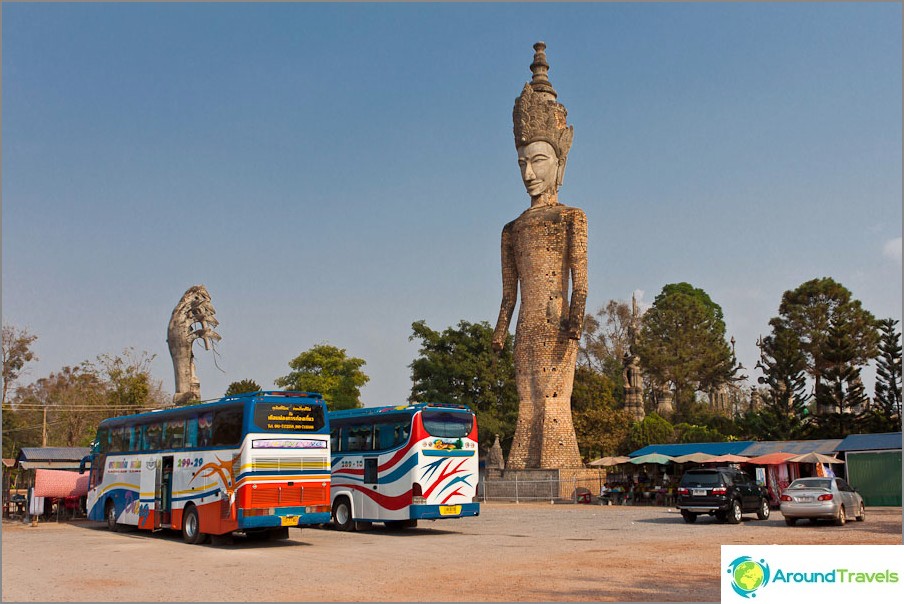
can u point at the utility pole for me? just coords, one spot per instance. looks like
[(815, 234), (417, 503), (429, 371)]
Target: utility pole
[(44, 429)]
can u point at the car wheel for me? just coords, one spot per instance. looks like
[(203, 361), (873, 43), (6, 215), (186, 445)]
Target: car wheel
[(790, 521), (342, 515), (721, 516), (763, 512), (860, 517), (191, 526), (689, 517), (734, 513), (841, 518)]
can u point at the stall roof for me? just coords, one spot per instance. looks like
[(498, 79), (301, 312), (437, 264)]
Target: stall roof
[(798, 447), (733, 447), (871, 442), (51, 457)]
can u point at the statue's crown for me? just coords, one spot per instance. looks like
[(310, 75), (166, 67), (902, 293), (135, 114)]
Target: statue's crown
[(537, 115)]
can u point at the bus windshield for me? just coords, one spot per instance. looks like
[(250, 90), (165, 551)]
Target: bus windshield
[(447, 424), (288, 417)]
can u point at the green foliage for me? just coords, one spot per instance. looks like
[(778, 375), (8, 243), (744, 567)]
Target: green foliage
[(607, 337), (130, 388), (813, 310), (592, 389), (460, 366), (651, 430), (241, 387), (682, 342), (692, 433), (888, 379), (326, 369), (600, 426), (840, 396)]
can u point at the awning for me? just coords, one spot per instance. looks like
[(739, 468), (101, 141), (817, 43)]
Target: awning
[(814, 458), (609, 461), (652, 458), (771, 459), (59, 483), (729, 459), (694, 458)]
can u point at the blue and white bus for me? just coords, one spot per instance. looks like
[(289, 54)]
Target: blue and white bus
[(252, 463), (398, 465)]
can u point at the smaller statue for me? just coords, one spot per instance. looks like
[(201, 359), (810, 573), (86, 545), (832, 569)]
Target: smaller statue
[(192, 319)]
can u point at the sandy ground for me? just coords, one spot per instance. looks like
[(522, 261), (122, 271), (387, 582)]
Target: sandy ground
[(511, 552)]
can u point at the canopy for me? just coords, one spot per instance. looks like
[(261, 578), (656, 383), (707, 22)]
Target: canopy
[(60, 483), (609, 461), (771, 459), (728, 459), (652, 458), (694, 458), (814, 458)]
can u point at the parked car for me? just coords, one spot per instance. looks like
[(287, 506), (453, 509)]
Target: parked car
[(814, 498), (725, 493)]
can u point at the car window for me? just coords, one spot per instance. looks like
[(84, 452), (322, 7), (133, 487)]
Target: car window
[(728, 478), (700, 479), (842, 485)]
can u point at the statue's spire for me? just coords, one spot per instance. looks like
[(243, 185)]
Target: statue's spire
[(540, 68)]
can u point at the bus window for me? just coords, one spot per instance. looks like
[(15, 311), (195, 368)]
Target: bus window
[(174, 434), (334, 438), (227, 427), (133, 435), (359, 438), (152, 437), (205, 429), (118, 440), (191, 432), (103, 440), (389, 434), (447, 424)]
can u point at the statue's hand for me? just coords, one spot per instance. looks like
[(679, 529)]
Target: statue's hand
[(574, 331)]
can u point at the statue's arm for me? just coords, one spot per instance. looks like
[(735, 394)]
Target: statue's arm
[(577, 262), (509, 290)]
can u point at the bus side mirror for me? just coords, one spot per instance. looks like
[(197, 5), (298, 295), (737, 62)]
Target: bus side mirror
[(82, 463)]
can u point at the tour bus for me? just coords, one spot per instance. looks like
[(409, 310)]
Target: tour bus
[(254, 463), (397, 465)]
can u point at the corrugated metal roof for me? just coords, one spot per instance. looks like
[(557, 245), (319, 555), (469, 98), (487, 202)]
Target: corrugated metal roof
[(798, 447), (52, 453), (871, 442), (674, 450)]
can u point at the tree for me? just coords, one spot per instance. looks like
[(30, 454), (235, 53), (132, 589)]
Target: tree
[(682, 342), (651, 430), (130, 386), (785, 413), (840, 397), (607, 337), (16, 351), (888, 379), (327, 370), (600, 426), (460, 366), (816, 308), (241, 387)]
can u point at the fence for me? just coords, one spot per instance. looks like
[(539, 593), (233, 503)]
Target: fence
[(520, 489)]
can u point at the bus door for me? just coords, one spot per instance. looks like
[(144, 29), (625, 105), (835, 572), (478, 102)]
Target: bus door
[(163, 493), (370, 508)]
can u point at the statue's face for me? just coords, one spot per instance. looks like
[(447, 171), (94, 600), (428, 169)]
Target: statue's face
[(539, 167)]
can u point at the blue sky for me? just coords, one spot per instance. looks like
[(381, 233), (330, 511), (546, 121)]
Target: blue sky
[(335, 172)]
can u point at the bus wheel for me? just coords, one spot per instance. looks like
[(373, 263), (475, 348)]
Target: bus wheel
[(110, 515), (279, 534), (342, 515), (191, 526)]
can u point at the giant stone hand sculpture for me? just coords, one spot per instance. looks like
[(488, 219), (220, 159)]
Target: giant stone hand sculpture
[(544, 252), (192, 319)]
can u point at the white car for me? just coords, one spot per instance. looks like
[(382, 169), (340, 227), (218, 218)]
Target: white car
[(815, 498)]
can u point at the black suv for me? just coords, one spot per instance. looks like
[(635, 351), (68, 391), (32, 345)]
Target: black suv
[(725, 493)]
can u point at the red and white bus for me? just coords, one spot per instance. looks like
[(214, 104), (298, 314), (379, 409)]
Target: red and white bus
[(255, 463), (398, 465)]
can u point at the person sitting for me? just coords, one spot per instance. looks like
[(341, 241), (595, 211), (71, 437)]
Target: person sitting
[(605, 494)]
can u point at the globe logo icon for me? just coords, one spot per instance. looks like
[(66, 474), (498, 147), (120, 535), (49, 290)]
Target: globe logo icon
[(748, 575)]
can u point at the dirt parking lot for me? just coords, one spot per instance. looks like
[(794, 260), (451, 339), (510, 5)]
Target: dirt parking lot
[(527, 552)]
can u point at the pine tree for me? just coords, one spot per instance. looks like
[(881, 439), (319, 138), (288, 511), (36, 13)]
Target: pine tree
[(888, 377), (841, 401)]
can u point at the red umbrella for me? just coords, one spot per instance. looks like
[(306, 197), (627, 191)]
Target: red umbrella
[(728, 458), (771, 459)]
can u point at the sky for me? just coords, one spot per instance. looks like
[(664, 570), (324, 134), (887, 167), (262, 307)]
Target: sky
[(333, 173)]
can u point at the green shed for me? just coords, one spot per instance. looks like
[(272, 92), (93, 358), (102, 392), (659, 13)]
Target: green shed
[(873, 466)]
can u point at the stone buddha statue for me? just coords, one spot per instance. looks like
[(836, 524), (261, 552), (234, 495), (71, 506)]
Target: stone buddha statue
[(544, 253)]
